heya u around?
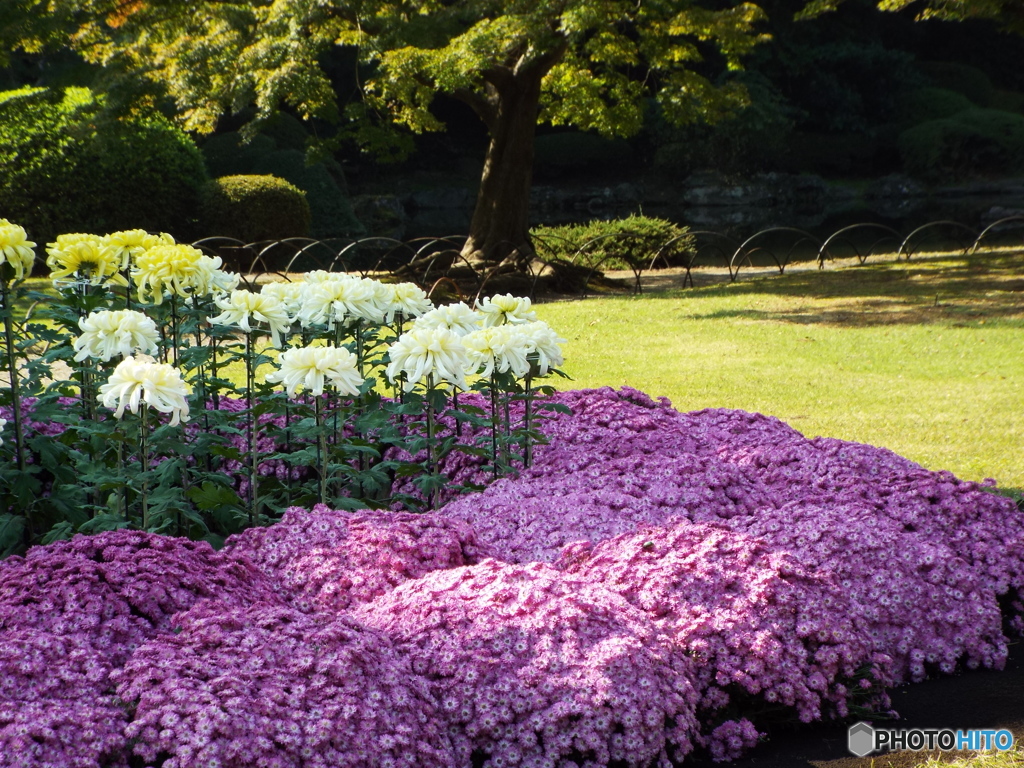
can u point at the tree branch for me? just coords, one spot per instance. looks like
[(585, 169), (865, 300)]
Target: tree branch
[(484, 107)]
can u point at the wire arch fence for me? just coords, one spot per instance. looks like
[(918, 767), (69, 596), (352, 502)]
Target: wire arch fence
[(441, 268)]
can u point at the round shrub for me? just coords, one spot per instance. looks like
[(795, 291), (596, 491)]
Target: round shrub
[(962, 78), (924, 104), (614, 244), (254, 208), (227, 155), (974, 141), (67, 166)]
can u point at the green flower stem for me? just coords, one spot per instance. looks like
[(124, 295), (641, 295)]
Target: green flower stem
[(431, 458), (321, 448), (12, 368), (494, 424), (144, 457), (250, 385), (527, 442), (122, 496)]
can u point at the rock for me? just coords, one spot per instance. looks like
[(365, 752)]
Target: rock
[(382, 215), (441, 198), (894, 186)]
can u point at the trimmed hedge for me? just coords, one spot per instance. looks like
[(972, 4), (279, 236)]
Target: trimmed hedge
[(65, 166), (975, 141), (615, 244), (254, 208)]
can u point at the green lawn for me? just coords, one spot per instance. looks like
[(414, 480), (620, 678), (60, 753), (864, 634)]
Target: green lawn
[(925, 358)]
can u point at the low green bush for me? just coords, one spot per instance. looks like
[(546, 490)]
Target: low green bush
[(66, 166), (975, 141), (962, 78), (616, 244), (254, 208), (924, 104)]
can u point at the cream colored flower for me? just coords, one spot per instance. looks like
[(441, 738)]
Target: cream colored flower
[(458, 318), (544, 346), (423, 352), (3, 423), (129, 244), (119, 332), (159, 385), (505, 308), (312, 368), (242, 306), (16, 249), (175, 270), (501, 347), (84, 257), (288, 293), (339, 300), (407, 299)]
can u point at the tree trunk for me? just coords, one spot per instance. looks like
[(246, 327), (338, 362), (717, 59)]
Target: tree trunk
[(499, 233)]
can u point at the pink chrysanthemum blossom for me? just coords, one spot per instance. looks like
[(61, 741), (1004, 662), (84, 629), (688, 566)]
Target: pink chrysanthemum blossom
[(328, 560), (269, 686), (531, 667)]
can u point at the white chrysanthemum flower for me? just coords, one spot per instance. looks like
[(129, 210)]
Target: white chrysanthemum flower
[(288, 293), (175, 270), (222, 282), (159, 385), (407, 299), (241, 307), (131, 243), (115, 332), (84, 257), (506, 308), (500, 347), (344, 298), (312, 368), (459, 318), (321, 276), (545, 349), (423, 352), (3, 423), (16, 249)]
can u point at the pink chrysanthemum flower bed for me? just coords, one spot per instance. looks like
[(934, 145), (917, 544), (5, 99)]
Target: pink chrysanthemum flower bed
[(656, 582)]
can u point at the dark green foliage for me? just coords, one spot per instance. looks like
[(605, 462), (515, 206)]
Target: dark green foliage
[(227, 155), (330, 210), (254, 208), (626, 243), (923, 104), (962, 78), (755, 139), (972, 142), (578, 152), (65, 167)]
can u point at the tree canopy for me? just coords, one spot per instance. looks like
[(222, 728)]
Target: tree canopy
[(586, 63), (1007, 13)]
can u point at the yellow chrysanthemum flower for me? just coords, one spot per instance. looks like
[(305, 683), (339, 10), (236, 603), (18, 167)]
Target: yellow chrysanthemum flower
[(241, 308), (16, 249), (174, 270), (84, 257), (129, 244)]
